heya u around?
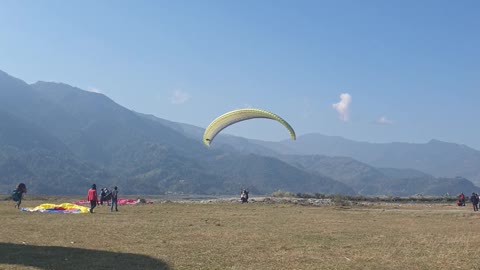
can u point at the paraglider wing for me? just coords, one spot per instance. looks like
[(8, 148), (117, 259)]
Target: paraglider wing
[(239, 115), (58, 208)]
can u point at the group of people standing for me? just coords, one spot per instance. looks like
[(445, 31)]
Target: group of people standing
[(474, 199), (21, 189), (92, 197)]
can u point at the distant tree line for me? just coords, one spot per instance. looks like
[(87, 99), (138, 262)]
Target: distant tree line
[(362, 198)]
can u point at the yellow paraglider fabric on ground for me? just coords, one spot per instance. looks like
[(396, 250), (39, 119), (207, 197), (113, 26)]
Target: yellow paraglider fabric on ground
[(58, 208), (236, 116)]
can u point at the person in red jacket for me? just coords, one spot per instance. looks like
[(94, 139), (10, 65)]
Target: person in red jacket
[(92, 197)]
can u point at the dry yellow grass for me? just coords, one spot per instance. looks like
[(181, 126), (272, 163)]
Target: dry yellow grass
[(236, 236)]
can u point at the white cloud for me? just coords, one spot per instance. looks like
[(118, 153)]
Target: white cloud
[(179, 97), (384, 121), (342, 107), (93, 89)]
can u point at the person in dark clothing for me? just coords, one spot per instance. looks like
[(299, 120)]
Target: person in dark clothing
[(92, 197), (474, 200), (102, 195), (18, 194), (461, 199), (478, 201), (114, 196), (244, 196), (105, 196)]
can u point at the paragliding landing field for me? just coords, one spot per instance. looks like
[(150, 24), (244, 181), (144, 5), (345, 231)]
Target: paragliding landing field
[(241, 236)]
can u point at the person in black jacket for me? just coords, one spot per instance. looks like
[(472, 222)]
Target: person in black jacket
[(474, 200), (18, 194)]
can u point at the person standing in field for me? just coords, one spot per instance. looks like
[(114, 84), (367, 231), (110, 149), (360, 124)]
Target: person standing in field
[(474, 200), (18, 194), (114, 199), (102, 195), (477, 199), (92, 197), (461, 199)]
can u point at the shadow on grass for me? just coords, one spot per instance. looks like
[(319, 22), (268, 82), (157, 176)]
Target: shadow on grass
[(56, 258)]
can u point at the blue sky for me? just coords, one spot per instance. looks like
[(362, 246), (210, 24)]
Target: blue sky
[(411, 69)]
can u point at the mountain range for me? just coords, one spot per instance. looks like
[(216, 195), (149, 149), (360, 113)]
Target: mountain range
[(60, 139), (435, 157)]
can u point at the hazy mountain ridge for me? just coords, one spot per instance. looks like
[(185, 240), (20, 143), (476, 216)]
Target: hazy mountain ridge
[(363, 178), (367, 180), (108, 144), (29, 153), (440, 159), (285, 176), (60, 138)]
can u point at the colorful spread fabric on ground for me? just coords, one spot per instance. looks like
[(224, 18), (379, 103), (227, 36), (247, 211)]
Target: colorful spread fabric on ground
[(59, 208)]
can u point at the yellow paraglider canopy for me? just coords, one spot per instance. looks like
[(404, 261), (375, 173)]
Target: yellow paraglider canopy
[(58, 208), (236, 116)]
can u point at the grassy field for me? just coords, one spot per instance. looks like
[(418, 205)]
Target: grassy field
[(236, 236)]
